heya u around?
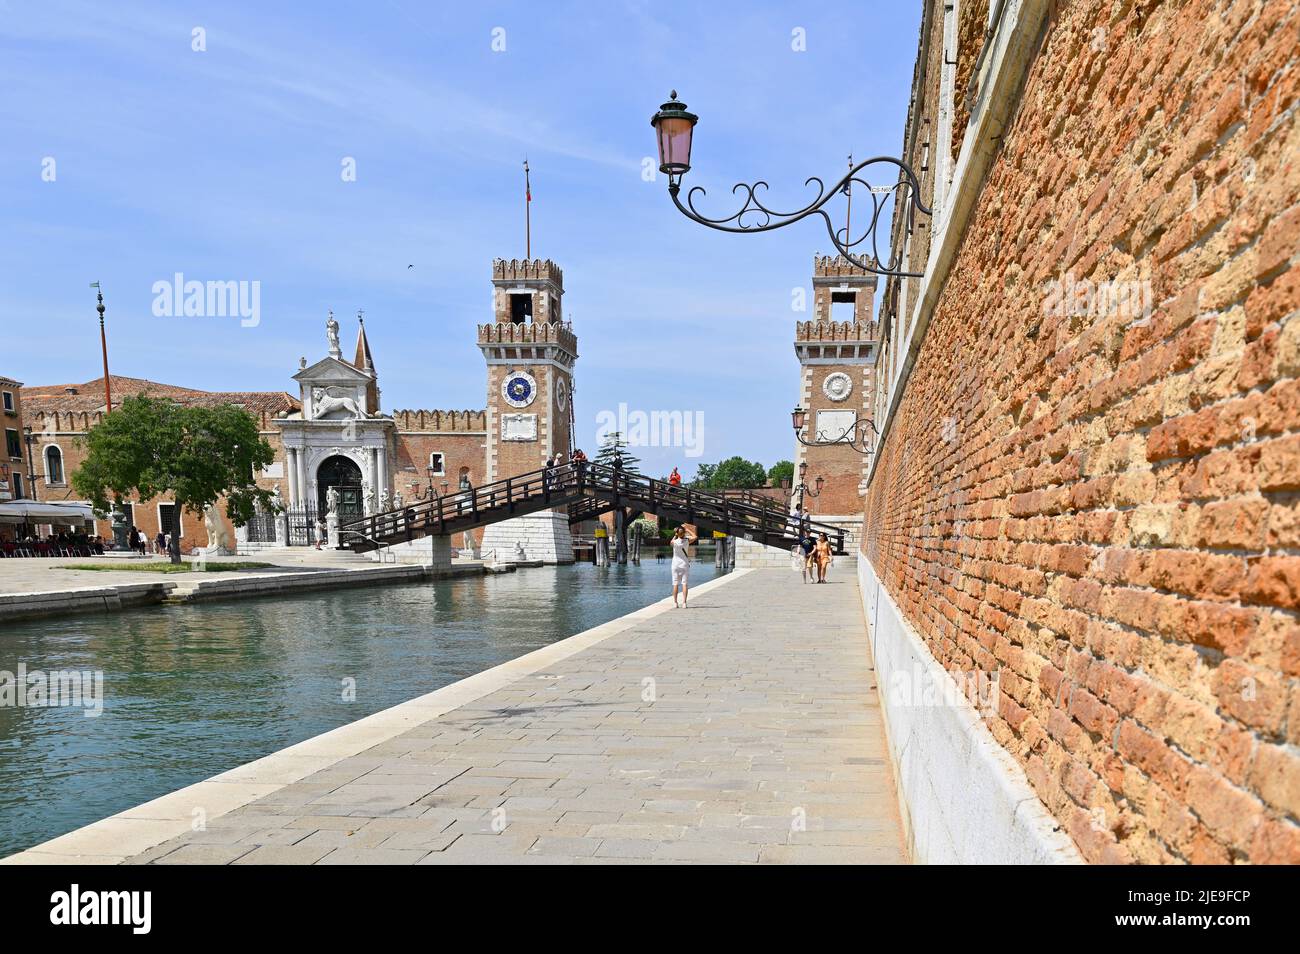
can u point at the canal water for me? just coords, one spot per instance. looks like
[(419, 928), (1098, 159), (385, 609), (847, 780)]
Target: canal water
[(191, 691)]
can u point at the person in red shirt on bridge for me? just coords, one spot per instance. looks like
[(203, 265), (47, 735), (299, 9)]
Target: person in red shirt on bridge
[(675, 478)]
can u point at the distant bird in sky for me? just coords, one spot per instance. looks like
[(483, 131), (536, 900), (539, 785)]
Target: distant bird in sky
[(410, 266)]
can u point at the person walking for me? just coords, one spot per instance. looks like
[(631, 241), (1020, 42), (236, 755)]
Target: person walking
[(548, 473), (799, 559), (681, 568), (321, 531), (158, 541), (822, 557), (675, 479), (806, 546)]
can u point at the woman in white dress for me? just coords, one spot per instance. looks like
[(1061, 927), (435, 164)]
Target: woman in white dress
[(682, 539)]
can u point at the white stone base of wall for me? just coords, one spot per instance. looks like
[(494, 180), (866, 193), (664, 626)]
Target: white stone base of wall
[(544, 536), (851, 524), (416, 552), (753, 555), (963, 798)]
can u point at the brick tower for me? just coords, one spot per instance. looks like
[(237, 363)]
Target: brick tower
[(837, 352), (530, 352)]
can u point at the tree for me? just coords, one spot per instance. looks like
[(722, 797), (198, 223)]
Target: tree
[(781, 470), (196, 454), (613, 448), (733, 473)]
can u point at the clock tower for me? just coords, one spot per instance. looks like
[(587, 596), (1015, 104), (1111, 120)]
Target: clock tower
[(837, 354), (530, 351)]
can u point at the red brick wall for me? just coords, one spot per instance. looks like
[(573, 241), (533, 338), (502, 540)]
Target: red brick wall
[(458, 450), (1111, 517)]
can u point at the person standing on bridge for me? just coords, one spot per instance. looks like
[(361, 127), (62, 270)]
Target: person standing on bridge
[(548, 473), (682, 540), (675, 479)]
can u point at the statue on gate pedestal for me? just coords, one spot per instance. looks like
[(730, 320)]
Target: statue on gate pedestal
[(332, 517)]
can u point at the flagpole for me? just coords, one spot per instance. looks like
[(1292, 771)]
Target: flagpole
[(848, 213), (103, 346), (528, 217)]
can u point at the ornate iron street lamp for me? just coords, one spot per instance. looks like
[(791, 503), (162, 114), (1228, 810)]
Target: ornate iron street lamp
[(803, 489), (674, 128), (430, 473), (855, 435)]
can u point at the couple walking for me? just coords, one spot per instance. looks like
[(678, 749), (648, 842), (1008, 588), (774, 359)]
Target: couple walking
[(809, 555)]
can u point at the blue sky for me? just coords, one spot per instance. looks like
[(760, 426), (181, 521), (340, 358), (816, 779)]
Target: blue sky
[(225, 165)]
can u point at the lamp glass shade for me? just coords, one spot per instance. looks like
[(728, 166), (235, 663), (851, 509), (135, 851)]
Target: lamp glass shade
[(675, 144), (820, 481), (673, 129), (803, 469), (799, 417)]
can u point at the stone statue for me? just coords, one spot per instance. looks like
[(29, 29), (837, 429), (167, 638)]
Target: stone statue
[(324, 402), (332, 517), (384, 504), (397, 500), (218, 538), (332, 334)]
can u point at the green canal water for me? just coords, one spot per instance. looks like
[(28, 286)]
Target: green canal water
[(191, 691)]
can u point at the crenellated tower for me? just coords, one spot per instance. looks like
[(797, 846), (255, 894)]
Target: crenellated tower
[(530, 352), (837, 353)]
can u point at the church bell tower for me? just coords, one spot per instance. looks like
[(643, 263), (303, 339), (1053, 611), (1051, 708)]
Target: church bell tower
[(530, 352)]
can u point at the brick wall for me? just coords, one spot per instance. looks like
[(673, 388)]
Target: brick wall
[(1103, 503)]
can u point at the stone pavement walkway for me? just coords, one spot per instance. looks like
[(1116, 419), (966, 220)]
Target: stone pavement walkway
[(54, 574), (744, 729)]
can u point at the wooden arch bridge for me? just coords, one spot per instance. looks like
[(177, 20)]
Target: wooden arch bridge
[(587, 490)]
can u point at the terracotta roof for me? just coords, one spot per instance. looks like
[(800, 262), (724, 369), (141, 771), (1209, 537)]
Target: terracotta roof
[(89, 396)]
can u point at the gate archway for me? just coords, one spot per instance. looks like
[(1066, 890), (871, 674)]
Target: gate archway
[(343, 474)]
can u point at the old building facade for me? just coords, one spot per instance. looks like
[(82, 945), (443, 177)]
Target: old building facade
[(1083, 511), (14, 468), (334, 434)]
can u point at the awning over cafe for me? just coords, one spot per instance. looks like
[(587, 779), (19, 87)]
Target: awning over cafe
[(32, 511)]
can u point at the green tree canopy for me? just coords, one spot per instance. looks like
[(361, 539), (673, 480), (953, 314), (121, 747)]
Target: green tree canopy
[(781, 470), (198, 455), (733, 473)]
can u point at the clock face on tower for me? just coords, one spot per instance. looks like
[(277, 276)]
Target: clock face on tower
[(519, 389)]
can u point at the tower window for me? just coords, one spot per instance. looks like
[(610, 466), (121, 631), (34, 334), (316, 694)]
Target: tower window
[(436, 463), (521, 308), (844, 305)]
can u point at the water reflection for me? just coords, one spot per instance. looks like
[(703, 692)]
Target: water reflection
[(194, 690)]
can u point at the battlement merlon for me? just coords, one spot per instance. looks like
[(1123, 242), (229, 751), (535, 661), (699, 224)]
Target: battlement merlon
[(839, 267), (831, 331), (527, 271), (424, 420), (554, 340)]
